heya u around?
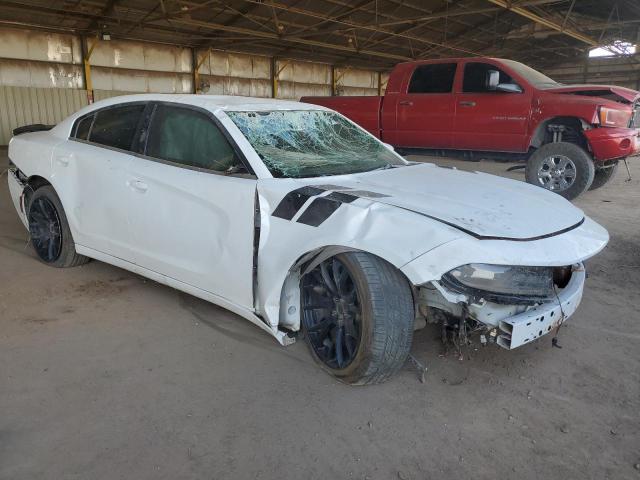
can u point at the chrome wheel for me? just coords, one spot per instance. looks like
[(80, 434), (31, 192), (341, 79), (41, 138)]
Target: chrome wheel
[(557, 173), (331, 313)]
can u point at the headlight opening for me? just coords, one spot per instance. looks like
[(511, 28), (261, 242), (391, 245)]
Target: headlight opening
[(507, 284)]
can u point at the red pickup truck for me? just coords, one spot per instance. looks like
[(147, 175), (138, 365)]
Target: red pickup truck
[(571, 135)]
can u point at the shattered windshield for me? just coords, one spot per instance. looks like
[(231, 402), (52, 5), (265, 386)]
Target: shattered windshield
[(312, 143)]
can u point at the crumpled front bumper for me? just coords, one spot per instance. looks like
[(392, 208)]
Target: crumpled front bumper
[(612, 143), (510, 325), (525, 327)]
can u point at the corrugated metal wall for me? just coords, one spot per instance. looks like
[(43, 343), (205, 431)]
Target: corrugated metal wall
[(25, 106), (235, 74), (297, 79), (42, 77)]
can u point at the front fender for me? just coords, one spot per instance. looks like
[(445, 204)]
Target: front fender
[(393, 234)]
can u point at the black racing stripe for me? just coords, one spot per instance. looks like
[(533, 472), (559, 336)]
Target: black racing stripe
[(341, 197), (332, 187), (367, 194), (294, 200), (319, 210)]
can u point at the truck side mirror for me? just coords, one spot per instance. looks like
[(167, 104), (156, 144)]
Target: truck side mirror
[(493, 79)]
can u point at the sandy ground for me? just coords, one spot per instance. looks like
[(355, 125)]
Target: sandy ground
[(106, 375)]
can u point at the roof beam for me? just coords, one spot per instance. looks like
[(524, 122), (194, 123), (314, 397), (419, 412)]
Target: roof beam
[(545, 21), (359, 26)]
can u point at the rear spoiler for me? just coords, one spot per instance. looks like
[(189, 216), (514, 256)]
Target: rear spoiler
[(36, 127)]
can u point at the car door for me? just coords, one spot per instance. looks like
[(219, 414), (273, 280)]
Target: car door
[(488, 119), (425, 111), (191, 217), (89, 172)]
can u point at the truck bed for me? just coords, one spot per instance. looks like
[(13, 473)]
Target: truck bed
[(363, 110)]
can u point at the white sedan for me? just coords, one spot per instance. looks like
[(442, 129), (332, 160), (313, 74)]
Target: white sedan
[(298, 220)]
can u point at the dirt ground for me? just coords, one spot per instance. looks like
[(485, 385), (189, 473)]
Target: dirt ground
[(106, 375)]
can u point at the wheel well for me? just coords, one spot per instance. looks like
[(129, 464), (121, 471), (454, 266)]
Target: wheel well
[(290, 294), (34, 182), (573, 132)]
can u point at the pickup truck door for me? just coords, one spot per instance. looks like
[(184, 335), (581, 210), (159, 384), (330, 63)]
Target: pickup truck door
[(89, 174), (189, 220), (425, 111), (487, 118)]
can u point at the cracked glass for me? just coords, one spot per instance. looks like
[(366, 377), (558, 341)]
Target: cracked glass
[(312, 143)]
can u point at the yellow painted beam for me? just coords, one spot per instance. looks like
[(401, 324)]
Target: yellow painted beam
[(276, 74), (87, 70)]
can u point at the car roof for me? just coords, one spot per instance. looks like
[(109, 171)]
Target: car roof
[(208, 102), (211, 102)]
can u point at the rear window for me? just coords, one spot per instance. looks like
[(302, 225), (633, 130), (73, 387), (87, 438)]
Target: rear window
[(116, 126), (83, 127), (436, 78)]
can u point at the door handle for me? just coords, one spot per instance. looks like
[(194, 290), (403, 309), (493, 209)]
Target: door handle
[(467, 103), (138, 186), (63, 160), (405, 102)]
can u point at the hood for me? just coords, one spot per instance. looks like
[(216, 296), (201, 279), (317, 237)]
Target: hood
[(485, 206), (618, 94)]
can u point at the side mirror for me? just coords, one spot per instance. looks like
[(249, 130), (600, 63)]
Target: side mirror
[(493, 79), (509, 88), (389, 147)]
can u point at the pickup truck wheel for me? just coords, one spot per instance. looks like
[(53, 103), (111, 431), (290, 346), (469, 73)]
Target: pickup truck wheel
[(603, 175), (561, 167), (49, 230), (357, 317)]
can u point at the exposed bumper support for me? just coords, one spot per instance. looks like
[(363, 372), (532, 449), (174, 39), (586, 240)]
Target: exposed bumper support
[(516, 325), (538, 321)]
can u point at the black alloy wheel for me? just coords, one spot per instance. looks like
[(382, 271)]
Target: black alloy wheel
[(45, 229), (332, 313)]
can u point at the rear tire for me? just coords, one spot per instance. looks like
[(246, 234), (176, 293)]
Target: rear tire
[(603, 175), (49, 230), (368, 317), (561, 167)]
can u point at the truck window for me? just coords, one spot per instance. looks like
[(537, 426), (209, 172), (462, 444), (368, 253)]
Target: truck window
[(434, 78), (476, 77)]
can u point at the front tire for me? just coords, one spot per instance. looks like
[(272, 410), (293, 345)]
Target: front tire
[(49, 230), (561, 167), (603, 175), (357, 317)]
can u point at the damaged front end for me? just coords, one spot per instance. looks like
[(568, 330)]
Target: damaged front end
[(507, 305)]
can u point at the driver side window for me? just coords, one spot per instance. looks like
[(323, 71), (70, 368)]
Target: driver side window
[(188, 137), (476, 78)]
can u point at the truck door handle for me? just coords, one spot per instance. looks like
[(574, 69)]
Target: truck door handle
[(405, 102), (138, 186), (467, 103)]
